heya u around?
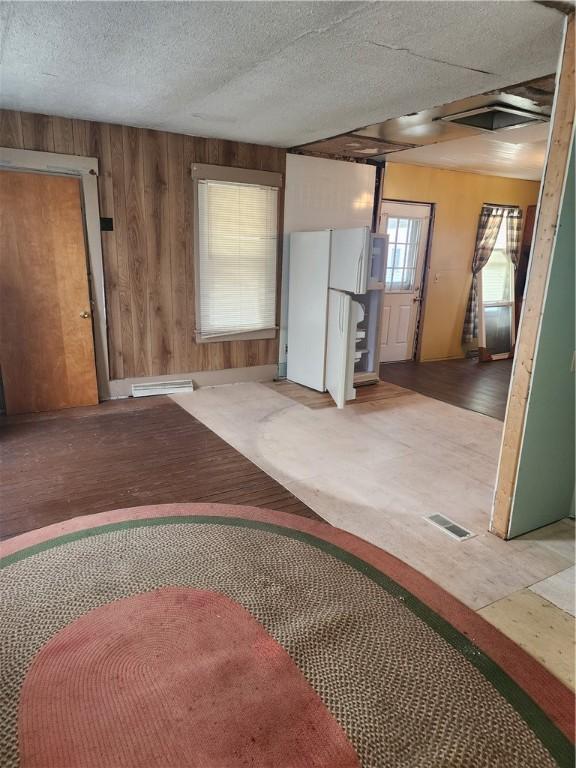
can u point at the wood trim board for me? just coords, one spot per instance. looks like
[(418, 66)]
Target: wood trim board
[(86, 169), (46, 339), (547, 215)]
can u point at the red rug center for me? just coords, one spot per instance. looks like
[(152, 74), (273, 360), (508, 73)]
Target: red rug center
[(175, 677)]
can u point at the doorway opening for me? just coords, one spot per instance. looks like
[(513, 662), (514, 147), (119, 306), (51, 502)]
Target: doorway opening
[(65, 312), (407, 226), (496, 294)]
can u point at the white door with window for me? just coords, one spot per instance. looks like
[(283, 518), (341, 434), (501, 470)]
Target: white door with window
[(406, 225)]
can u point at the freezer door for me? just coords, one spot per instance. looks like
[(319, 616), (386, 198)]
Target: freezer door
[(340, 347), (308, 307), (350, 259)]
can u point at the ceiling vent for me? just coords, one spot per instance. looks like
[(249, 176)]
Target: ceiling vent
[(495, 117)]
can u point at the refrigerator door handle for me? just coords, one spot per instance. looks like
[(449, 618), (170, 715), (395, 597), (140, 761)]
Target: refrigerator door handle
[(358, 272)]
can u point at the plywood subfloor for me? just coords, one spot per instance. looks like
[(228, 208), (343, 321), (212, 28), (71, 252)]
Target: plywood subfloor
[(123, 453), (480, 387), (538, 626), (377, 469)]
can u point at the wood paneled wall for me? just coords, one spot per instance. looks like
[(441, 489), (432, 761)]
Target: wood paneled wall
[(145, 186)]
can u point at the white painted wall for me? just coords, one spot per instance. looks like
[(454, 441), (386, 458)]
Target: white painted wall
[(321, 194)]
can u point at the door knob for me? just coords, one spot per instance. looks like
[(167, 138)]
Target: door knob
[(84, 314)]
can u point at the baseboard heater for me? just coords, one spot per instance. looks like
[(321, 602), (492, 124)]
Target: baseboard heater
[(162, 388)]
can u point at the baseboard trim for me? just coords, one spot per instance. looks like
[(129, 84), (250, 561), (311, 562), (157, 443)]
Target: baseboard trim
[(120, 388)]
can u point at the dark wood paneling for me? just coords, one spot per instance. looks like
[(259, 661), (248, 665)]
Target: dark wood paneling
[(145, 187), (157, 226), (120, 337), (63, 136), (11, 129), (481, 387), (137, 249), (37, 132), (123, 453), (180, 260), (80, 134)]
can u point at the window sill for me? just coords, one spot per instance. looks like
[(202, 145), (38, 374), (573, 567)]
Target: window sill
[(267, 333)]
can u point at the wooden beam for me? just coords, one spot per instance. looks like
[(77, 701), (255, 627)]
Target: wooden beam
[(535, 292)]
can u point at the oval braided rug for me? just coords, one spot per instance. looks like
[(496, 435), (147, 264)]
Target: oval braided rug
[(218, 636)]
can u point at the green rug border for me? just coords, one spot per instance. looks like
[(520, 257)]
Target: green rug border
[(551, 737)]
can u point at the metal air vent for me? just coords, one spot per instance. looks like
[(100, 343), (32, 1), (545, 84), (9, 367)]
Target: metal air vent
[(495, 117), (450, 527)]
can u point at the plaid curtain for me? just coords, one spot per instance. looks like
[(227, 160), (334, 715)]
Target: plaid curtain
[(513, 229), (488, 228)]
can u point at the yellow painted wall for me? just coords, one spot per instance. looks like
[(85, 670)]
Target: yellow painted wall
[(459, 197)]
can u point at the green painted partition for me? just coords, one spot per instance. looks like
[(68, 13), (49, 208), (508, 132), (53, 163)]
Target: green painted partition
[(545, 484)]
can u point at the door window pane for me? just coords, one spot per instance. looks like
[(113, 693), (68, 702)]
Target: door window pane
[(404, 240), (403, 226), (399, 256), (411, 254)]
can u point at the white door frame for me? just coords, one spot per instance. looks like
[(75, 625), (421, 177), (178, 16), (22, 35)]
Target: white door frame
[(86, 169), (417, 335)]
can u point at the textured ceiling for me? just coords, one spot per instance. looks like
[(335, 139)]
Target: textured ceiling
[(518, 153), (282, 73)]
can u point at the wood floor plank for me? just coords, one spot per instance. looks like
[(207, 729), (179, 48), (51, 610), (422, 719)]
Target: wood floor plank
[(481, 387), (122, 453), (311, 398)]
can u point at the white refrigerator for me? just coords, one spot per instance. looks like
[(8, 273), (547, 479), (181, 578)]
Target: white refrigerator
[(334, 307)]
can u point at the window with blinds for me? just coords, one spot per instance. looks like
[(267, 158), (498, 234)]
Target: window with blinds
[(237, 254)]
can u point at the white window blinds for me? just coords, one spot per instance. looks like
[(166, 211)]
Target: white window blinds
[(237, 252)]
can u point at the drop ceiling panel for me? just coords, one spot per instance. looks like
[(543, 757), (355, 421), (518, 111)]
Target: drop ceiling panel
[(284, 73)]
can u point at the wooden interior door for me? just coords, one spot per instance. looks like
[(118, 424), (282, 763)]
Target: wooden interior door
[(46, 342)]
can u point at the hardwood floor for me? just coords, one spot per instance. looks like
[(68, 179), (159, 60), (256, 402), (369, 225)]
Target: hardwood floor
[(122, 453), (311, 398), (481, 387)]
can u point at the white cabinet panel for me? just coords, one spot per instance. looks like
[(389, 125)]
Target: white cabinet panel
[(307, 307), (349, 259), (340, 347)]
